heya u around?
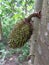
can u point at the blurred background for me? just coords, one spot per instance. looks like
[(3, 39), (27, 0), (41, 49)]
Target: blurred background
[(12, 11)]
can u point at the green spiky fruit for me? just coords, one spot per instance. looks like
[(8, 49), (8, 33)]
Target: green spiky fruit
[(19, 35), (22, 31)]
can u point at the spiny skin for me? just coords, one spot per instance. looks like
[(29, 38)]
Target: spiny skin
[(22, 31), (20, 34)]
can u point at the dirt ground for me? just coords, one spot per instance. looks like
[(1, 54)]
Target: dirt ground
[(13, 60)]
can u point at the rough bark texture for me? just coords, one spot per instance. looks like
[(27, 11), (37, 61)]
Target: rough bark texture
[(42, 51), (38, 7)]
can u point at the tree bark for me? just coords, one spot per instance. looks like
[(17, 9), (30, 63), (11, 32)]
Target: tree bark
[(38, 7), (42, 51)]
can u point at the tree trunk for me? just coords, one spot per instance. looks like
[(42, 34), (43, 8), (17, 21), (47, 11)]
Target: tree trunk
[(42, 51), (38, 7)]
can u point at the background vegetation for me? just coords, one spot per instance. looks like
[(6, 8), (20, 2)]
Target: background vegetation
[(12, 11)]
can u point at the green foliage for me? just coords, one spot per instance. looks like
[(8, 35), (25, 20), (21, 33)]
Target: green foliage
[(12, 11), (2, 46), (25, 53)]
